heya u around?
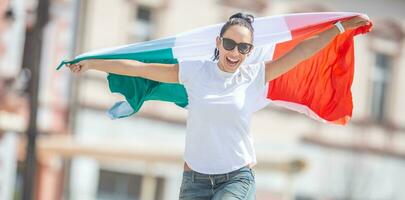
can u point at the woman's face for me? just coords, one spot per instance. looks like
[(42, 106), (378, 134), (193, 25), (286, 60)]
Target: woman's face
[(230, 61)]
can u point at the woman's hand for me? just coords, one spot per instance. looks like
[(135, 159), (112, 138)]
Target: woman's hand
[(82, 66), (355, 22)]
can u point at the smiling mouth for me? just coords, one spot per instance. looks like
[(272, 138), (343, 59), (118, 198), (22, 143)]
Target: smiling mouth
[(231, 61)]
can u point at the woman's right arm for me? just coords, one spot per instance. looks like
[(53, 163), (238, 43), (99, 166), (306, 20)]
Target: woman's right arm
[(167, 73)]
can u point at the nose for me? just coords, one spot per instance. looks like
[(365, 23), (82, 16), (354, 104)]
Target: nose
[(235, 51)]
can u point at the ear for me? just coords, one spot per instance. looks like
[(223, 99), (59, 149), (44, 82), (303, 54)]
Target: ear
[(218, 42)]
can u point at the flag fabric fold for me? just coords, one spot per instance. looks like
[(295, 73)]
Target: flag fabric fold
[(319, 87)]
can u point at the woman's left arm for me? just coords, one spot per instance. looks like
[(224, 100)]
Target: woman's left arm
[(308, 47)]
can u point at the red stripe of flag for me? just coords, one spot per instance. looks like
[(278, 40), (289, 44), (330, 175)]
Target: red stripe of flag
[(322, 82)]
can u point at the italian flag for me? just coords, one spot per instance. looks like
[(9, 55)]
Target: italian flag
[(319, 87)]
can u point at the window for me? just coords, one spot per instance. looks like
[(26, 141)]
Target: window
[(255, 6), (144, 13), (160, 184), (380, 81), (118, 186), (126, 186), (143, 24)]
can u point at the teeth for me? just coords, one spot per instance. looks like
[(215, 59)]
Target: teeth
[(232, 60)]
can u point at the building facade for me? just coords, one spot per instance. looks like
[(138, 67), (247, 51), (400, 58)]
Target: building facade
[(141, 157)]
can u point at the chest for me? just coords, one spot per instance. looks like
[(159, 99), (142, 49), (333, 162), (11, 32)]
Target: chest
[(211, 93), (229, 97)]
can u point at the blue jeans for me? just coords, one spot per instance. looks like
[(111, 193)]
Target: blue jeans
[(238, 184)]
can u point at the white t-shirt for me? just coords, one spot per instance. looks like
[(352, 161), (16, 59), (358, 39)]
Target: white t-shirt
[(220, 106)]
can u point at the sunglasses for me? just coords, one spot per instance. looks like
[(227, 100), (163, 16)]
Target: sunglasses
[(230, 44)]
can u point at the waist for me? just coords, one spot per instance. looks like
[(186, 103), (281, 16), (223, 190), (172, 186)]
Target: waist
[(217, 179), (188, 169)]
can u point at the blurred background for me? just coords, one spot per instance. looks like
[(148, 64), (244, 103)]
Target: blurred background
[(56, 141)]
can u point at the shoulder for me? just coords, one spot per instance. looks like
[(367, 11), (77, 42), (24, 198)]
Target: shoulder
[(191, 63), (189, 68)]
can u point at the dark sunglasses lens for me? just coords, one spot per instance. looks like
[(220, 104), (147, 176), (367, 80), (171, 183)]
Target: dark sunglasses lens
[(228, 44), (244, 48)]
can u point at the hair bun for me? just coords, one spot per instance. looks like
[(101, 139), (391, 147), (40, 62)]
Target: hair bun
[(249, 18)]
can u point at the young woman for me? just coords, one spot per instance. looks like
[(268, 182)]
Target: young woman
[(222, 93)]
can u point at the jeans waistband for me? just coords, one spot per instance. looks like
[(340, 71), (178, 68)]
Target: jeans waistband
[(214, 178)]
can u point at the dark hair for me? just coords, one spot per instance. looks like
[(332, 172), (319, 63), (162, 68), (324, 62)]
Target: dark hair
[(240, 19)]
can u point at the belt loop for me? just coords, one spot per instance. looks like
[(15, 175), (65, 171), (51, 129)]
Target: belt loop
[(192, 176), (227, 176), (253, 173), (211, 180)]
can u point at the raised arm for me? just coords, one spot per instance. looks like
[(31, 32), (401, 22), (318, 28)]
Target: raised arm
[(307, 48), (167, 73)]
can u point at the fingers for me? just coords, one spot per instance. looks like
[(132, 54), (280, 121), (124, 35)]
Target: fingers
[(356, 22), (362, 20), (363, 23), (75, 68)]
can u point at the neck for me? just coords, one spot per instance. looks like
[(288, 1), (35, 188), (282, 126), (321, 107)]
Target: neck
[(222, 68)]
